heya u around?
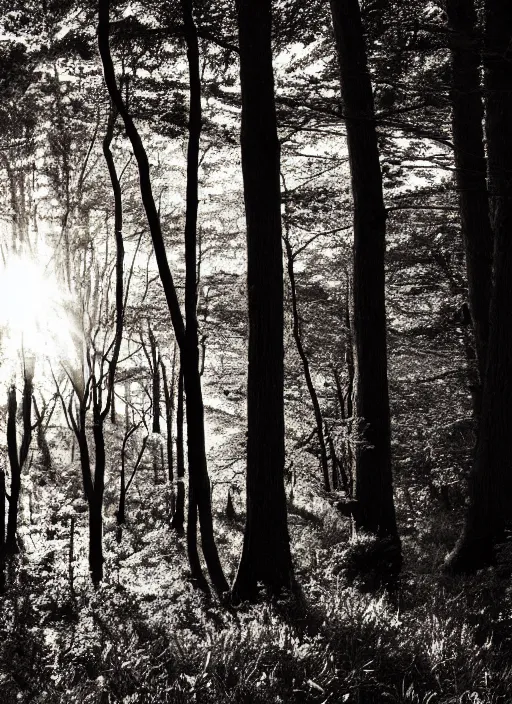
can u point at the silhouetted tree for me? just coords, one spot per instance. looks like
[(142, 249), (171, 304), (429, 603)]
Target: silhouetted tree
[(266, 557), (468, 140), (490, 487), (374, 508)]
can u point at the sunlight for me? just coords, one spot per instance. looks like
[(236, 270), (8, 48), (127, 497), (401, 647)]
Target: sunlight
[(33, 314)]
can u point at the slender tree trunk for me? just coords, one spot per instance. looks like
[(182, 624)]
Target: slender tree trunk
[(490, 487), (121, 509), (196, 446), (266, 556), (189, 355), (469, 152), (156, 386), (11, 546), (297, 336), (373, 479), (96, 504), (178, 520), (169, 416)]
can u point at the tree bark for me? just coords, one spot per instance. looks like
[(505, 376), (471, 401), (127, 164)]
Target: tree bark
[(490, 487), (266, 556), (373, 479), (469, 152)]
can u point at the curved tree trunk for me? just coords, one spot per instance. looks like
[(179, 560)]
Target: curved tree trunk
[(468, 139), (490, 488), (375, 511), (189, 355), (266, 554)]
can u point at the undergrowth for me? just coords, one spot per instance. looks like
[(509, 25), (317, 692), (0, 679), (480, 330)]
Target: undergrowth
[(434, 639)]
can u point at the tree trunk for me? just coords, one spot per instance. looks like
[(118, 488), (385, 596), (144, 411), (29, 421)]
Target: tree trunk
[(2, 531), (373, 479), (178, 520), (96, 541), (169, 416), (96, 505), (469, 152), (266, 556), (490, 487), (156, 388), (196, 447), (196, 571), (197, 455), (297, 336), (11, 546)]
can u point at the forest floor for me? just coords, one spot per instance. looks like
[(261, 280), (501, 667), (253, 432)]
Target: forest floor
[(147, 635)]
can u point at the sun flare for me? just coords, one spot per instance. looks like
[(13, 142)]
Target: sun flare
[(33, 315)]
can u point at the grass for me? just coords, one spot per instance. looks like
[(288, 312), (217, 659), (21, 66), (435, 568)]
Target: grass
[(438, 639)]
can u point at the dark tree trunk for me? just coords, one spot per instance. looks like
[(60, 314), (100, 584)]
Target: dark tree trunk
[(196, 447), (14, 496), (2, 511), (266, 556), (96, 505), (27, 411), (468, 139), (373, 479), (156, 387), (121, 509), (490, 487), (169, 416), (189, 355), (96, 541), (178, 520), (297, 336), (2, 530), (196, 571)]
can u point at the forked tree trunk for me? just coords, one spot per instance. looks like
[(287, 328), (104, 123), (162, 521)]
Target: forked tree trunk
[(266, 556), (189, 355), (469, 152), (375, 511), (490, 488)]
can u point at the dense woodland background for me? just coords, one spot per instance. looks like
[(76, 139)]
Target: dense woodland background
[(255, 351)]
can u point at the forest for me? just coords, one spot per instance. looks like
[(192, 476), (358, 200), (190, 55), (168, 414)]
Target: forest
[(255, 351)]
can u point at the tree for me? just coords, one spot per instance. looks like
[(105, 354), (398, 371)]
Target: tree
[(266, 554), (17, 460), (186, 336), (374, 508), (490, 484), (468, 140)]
